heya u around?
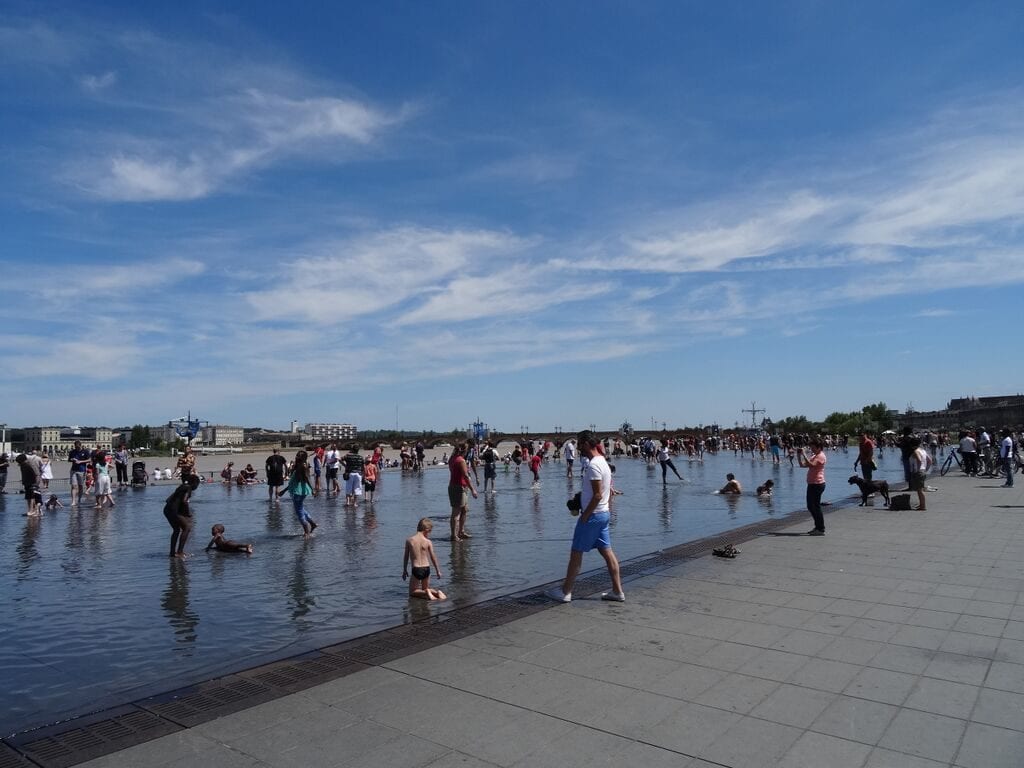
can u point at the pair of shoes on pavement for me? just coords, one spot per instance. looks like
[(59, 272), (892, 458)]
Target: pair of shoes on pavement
[(559, 596), (815, 532)]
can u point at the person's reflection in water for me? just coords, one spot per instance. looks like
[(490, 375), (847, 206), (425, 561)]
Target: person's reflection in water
[(27, 552), (275, 522), (538, 516), (71, 560), (733, 500), (182, 618), (461, 571), (369, 521), (490, 510), (298, 587), (665, 509)]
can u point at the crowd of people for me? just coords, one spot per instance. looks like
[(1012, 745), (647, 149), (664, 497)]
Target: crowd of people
[(330, 470)]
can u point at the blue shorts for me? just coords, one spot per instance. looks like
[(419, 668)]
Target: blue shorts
[(776, 450), (592, 534)]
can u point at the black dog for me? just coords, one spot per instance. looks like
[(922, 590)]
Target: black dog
[(868, 487)]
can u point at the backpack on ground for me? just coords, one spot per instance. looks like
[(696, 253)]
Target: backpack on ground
[(900, 502)]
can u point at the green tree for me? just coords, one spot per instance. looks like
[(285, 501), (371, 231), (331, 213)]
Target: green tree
[(799, 424)]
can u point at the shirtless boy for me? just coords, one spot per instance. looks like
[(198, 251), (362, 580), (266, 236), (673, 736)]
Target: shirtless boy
[(221, 544), (420, 550), (732, 485)]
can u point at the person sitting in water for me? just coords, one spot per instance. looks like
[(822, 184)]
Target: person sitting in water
[(766, 489), (53, 502), (228, 472), (248, 475), (221, 544), (420, 550), (732, 485)]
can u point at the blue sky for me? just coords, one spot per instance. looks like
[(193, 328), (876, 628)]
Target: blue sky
[(538, 214)]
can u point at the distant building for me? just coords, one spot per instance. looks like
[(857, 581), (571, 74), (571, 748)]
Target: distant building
[(219, 435), (994, 412), (59, 440), (327, 433)]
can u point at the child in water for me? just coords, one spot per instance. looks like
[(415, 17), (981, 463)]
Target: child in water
[(766, 489), (221, 544), (732, 485), (420, 550), (53, 502)]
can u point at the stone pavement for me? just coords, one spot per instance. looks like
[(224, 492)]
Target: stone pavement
[(896, 641)]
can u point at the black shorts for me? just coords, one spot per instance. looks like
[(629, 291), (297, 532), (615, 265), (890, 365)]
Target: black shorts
[(332, 473), (370, 485), (421, 572), (275, 480), (178, 522)]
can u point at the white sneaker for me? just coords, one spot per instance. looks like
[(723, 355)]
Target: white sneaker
[(559, 596), (615, 597)]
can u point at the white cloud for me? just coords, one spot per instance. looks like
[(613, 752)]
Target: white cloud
[(74, 282), (504, 293), (225, 137), (371, 273), (96, 83)]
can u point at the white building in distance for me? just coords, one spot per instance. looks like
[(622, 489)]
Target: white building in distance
[(220, 435), (330, 433)]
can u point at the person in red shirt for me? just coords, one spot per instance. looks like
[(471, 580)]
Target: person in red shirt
[(815, 464), (535, 468), (866, 455), (460, 485)]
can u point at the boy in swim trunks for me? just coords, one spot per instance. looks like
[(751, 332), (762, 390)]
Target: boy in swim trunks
[(370, 480), (221, 544), (420, 550)]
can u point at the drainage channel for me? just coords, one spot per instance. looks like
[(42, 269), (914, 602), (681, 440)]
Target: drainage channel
[(90, 736)]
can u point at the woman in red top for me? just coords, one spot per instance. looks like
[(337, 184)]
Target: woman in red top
[(815, 483)]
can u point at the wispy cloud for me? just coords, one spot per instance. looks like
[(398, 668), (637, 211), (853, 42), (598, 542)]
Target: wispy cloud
[(934, 313), (188, 118), (224, 138), (105, 280), (364, 275), (96, 83)]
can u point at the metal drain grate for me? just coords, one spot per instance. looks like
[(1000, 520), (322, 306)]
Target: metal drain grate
[(199, 704), (11, 759), (90, 737), (297, 675)]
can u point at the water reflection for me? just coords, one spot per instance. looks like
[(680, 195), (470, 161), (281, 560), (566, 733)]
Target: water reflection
[(275, 517), (175, 603), (665, 509), (27, 552), (298, 586)]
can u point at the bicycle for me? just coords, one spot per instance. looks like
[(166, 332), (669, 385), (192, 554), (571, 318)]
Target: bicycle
[(954, 456)]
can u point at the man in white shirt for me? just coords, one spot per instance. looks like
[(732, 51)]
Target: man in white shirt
[(569, 451), (592, 526), (332, 460), (1006, 454)]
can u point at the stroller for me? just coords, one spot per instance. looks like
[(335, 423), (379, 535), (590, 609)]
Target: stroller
[(139, 476)]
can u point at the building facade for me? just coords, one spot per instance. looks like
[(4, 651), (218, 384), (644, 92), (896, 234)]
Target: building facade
[(57, 441), (329, 433), (993, 412), (219, 435)]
